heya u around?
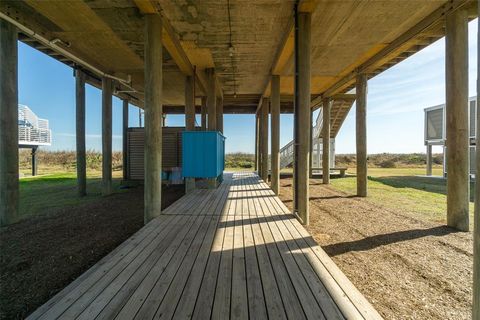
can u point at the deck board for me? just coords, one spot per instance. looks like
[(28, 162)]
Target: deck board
[(231, 253)]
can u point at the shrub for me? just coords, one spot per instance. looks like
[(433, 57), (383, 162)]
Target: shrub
[(245, 164), (388, 163)]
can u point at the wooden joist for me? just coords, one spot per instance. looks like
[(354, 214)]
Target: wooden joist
[(370, 66)]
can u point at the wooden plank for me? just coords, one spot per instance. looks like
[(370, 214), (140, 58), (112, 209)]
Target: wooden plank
[(300, 290), (316, 285), (108, 270), (125, 284), (221, 305), (234, 252), (233, 198), (102, 266), (169, 302), (218, 200), (358, 306), (273, 298), (256, 299), (318, 290), (139, 297), (186, 303), (196, 260), (203, 306), (239, 304), (115, 278)]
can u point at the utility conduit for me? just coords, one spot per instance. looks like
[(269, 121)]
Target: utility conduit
[(52, 44)]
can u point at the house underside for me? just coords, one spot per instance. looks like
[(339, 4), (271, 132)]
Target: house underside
[(213, 57)]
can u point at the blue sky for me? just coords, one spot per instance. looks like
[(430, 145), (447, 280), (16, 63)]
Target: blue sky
[(396, 99)]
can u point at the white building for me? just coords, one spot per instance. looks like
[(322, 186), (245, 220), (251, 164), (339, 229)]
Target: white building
[(32, 131)]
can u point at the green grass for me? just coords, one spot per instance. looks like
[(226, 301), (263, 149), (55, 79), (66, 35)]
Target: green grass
[(46, 193), (400, 189)]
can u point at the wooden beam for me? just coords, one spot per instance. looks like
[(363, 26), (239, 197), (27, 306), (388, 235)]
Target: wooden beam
[(80, 132), (286, 48), (456, 119), (368, 66), (285, 52), (153, 114), (172, 44), (9, 187)]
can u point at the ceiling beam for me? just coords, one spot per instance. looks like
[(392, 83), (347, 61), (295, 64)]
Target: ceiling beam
[(370, 66), (172, 44), (286, 47), (317, 101)]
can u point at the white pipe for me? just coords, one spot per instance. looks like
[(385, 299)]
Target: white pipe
[(53, 45)]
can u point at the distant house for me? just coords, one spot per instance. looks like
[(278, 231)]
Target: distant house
[(32, 130), (436, 135)]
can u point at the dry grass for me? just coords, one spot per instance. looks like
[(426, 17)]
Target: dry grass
[(63, 161), (389, 160)]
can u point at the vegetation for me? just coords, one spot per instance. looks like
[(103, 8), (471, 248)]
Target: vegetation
[(390, 160), (63, 161), (42, 194), (406, 190), (393, 180), (240, 160), (55, 186)]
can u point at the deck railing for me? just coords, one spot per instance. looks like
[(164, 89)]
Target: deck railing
[(287, 152)]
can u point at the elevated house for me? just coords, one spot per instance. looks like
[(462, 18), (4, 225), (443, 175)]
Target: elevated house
[(235, 250), (435, 134), (33, 132)]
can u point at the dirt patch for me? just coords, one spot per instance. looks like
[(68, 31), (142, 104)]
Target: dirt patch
[(406, 267), (40, 256)]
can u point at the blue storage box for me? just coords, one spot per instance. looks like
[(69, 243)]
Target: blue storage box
[(203, 154)]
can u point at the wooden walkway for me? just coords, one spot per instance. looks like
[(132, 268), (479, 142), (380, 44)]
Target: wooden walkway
[(231, 253)]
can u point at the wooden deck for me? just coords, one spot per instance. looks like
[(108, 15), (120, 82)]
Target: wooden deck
[(231, 253)]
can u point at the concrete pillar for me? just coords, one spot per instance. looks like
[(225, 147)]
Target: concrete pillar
[(361, 134), (106, 136), (275, 137), (327, 106), (429, 160), (124, 140), (153, 116), (34, 161), (219, 112), (8, 123), (302, 115), (476, 221), (456, 72), (80, 132), (189, 120), (211, 100), (204, 113), (264, 138)]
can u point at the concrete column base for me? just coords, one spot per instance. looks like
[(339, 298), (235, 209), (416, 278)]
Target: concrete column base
[(189, 185), (211, 183)]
